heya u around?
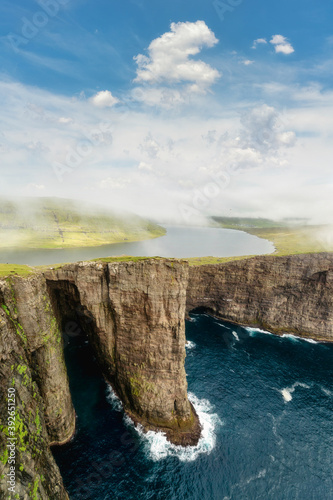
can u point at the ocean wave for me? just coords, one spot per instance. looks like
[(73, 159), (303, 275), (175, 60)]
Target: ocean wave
[(190, 345), (288, 391), (327, 392), (158, 447), (289, 336), (235, 335), (254, 331), (156, 444), (113, 399), (296, 338)]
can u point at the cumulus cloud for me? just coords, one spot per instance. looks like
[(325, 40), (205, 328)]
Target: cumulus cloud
[(169, 58), (259, 41), (104, 99), (264, 130), (247, 62), (157, 161), (281, 45)]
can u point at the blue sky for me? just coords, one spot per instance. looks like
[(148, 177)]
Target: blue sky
[(111, 102)]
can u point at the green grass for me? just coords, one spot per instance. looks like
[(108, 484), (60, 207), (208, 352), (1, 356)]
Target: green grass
[(247, 222), (291, 241), (123, 258), (202, 261), (60, 223), (15, 270), (289, 238)]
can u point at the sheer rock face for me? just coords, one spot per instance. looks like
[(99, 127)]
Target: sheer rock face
[(32, 362), (133, 313), (292, 294)]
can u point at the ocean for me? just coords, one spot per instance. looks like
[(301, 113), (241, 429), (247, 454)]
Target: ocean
[(265, 405)]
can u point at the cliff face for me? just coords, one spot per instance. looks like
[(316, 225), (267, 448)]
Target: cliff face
[(133, 313), (32, 363), (291, 294)]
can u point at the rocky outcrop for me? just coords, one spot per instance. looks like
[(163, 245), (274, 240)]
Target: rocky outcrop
[(292, 294), (32, 365), (133, 314)]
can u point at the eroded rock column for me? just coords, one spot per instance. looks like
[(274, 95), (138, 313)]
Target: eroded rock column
[(134, 313)]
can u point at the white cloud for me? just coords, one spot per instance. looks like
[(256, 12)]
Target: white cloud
[(185, 151), (259, 41), (65, 120), (104, 99), (264, 130), (247, 62), (163, 97), (169, 57), (34, 187), (282, 45), (145, 166)]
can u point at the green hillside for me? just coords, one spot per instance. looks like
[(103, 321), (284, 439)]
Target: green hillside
[(60, 223), (289, 236)]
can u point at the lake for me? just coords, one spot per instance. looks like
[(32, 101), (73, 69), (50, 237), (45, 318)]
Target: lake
[(179, 242)]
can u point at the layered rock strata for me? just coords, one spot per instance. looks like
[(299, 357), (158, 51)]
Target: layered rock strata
[(133, 314), (292, 294), (33, 373)]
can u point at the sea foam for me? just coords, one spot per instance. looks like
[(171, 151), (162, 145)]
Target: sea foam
[(288, 391), (157, 446), (190, 345), (294, 338)]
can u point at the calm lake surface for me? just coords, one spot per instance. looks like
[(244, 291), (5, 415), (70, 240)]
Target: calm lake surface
[(265, 404), (179, 242)]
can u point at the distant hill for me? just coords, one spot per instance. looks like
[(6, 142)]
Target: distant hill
[(61, 223), (252, 222)]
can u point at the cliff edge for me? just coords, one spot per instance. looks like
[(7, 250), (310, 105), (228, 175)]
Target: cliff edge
[(292, 294)]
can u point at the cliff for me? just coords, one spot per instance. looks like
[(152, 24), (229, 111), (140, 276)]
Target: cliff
[(133, 314), (32, 363), (292, 294)]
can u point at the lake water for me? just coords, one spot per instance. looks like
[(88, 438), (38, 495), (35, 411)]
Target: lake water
[(265, 403), (179, 242)]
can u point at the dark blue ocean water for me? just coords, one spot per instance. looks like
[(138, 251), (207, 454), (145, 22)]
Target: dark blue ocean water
[(266, 406)]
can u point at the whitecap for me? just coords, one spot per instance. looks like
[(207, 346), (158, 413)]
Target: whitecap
[(288, 391), (327, 391), (157, 446), (223, 326), (113, 399), (190, 345), (291, 337), (286, 395), (254, 331), (311, 341), (235, 335), (295, 338)]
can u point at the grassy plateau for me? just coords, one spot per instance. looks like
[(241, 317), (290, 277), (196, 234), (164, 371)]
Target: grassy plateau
[(60, 223), (289, 238)]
